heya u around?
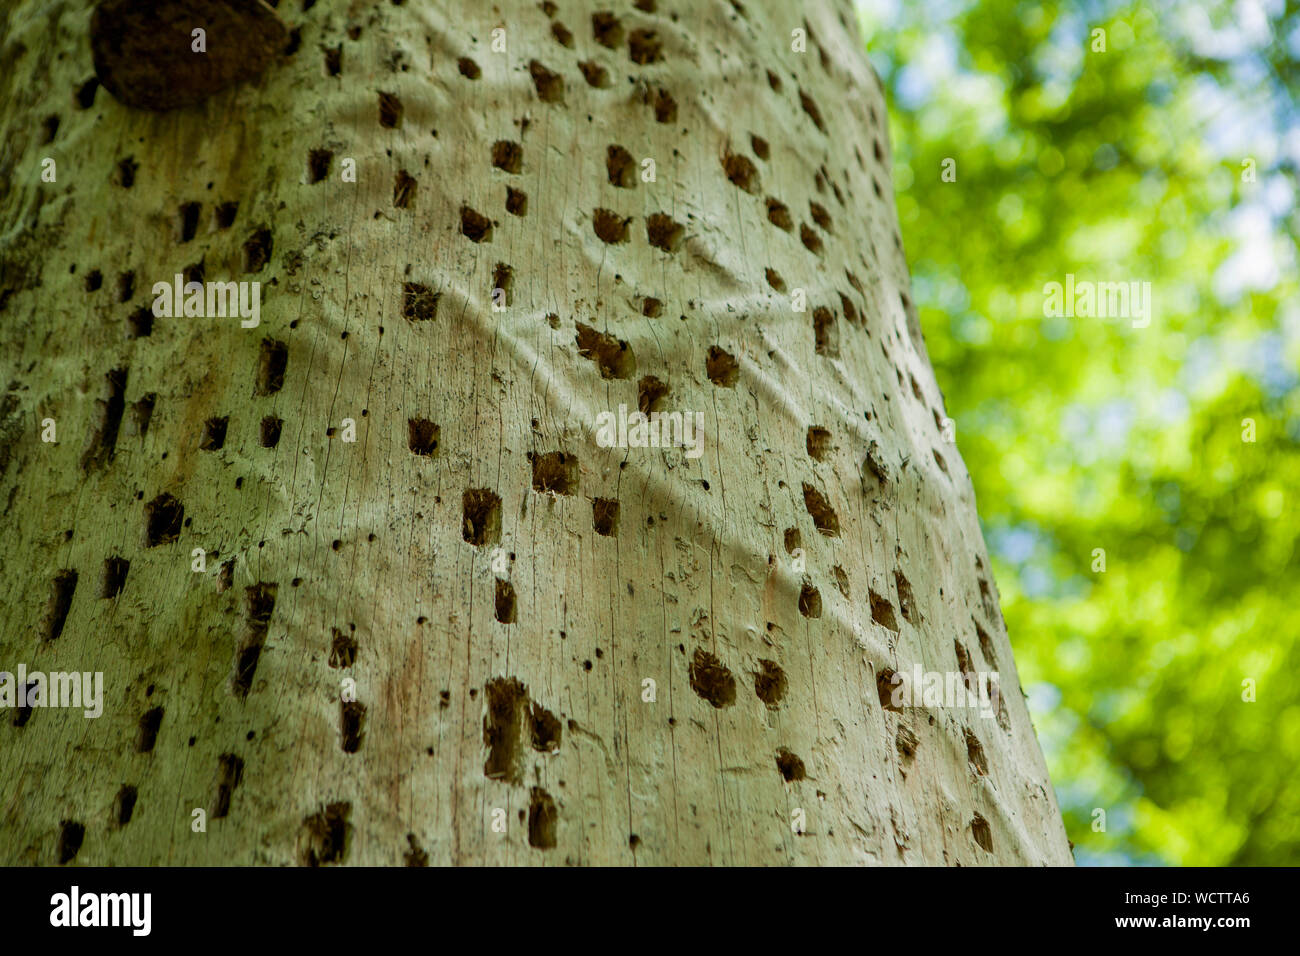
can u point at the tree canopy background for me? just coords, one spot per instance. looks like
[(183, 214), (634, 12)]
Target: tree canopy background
[(1169, 157)]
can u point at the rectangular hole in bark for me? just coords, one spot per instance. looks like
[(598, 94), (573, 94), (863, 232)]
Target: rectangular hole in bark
[(544, 729), (109, 411), (126, 172), (916, 388), (508, 156), (114, 579), (226, 577), (352, 719), (246, 658), (259, 602), (271, 364), (975, 753), (810, 107), (505, 602), (516, 201), (650, 394), (555, 472), (542, 818), (71, 833), (665, 106), (24, 713), (595, 74), (318, 164), (887, 681), (818, 442), (790, 766), (124, 805), (965, 666), (906, 602), (230, 770), (225, 214), (812, 242), (214, 434), (711, 679), (147, 733), (503, 278), (390, 111), (770, 684), (986, 599), (139, 324), (125, 286), (86, 93), (415, 854), (187, 220), (810, 600), (162, 520), (323, 837), (419, 302), (613, 356), (333, 60), (721, 367), (257, 250), (343, 649), (403, 189), (549, 86), (850, 310), (481, 516), (906, 742), (663, 232), (604, 516), (986, 644), (607, 30), (474, 225), (644, 46), (142, 413), (59, 604), (820, 216), (270, 431), (882, 612), (422, 437), (826, 332), (507, 703), (620, 167), (741, 171), (610, 226), (821, 512)]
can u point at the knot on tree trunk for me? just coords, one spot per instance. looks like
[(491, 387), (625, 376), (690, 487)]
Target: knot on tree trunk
[(167, 54)]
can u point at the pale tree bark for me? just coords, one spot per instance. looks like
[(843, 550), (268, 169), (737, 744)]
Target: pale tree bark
[(562, 652)]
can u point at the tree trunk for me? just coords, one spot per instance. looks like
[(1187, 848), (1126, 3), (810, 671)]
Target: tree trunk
[(437, 617)]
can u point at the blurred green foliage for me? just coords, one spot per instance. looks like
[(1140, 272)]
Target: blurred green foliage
[(1135, 163)]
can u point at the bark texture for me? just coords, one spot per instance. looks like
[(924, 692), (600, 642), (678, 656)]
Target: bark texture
[(499, 586)]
